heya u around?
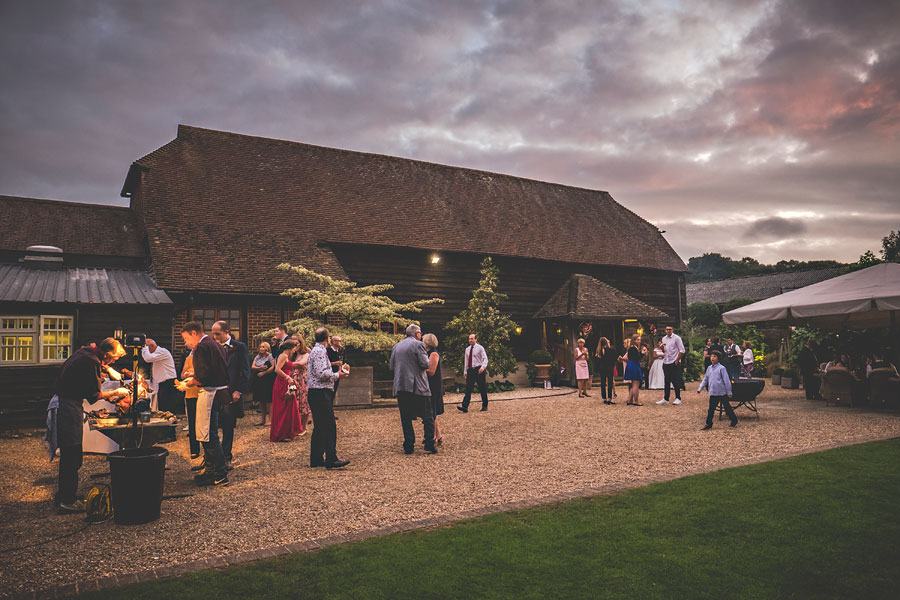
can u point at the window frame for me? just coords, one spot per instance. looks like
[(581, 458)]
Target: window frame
[(235, 332), (37, 344)]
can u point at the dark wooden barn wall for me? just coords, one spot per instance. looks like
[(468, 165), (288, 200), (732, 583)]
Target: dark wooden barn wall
[(528, 283), (25, 390)]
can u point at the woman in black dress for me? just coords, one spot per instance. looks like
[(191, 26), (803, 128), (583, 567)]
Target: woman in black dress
[(435, 382), (605, 366)]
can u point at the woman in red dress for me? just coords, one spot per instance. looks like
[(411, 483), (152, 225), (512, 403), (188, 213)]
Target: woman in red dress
[(298, 374), (285, 413)]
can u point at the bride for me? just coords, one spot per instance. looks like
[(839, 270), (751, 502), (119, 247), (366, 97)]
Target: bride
[(657, 378)]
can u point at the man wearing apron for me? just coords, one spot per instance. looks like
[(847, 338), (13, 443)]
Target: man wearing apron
[(80, 380)]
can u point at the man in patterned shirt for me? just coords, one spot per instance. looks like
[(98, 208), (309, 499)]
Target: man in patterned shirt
[(320, 382)]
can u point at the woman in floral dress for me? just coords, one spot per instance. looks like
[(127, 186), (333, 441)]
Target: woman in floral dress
[(298, 374)]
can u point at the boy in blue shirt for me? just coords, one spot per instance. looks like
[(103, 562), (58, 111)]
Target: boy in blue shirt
[(718, 382)]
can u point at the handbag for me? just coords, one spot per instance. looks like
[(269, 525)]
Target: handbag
[(291, 392)]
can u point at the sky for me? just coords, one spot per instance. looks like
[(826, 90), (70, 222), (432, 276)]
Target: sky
[(768, 129)]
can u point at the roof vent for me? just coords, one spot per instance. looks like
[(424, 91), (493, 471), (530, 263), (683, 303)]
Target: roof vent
[(48, 256)]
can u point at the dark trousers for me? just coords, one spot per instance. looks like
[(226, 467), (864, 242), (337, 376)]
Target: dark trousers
[(672, 376), (607, 381), (473, 377), (191, 407), (227, 424), (167, 397), (323, 443), (714, 402), (414, 407), (811, 385), (733, 366), (70, 460), (212, 450)]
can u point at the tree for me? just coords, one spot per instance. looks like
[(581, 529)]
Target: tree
[(737, 303), (482, 317), (363, 307), (867, 259), (890, 247), (704, 313)]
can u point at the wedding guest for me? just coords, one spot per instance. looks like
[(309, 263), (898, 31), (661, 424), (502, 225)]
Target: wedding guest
[(646, 358), (605, 367), (747, 361), (320, 381), (237, 362), (657, 380), (582, 370), (476, 362), (336, 356), (706, 350), (263, 379), (633, 373), (435, 382), (809, 367), (281, 335), (285, 411), (409, 362), (298, 375), (674, 352), (718, 382), (732, 358)]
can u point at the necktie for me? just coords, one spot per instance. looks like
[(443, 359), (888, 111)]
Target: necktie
[(469, 362)]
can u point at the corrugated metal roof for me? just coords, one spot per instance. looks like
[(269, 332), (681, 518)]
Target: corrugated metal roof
[(21, 283)]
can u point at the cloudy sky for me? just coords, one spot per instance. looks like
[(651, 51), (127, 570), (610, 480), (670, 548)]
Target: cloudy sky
[(768, 129)]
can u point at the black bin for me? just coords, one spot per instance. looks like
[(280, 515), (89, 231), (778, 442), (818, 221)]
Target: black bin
[(136, 477)]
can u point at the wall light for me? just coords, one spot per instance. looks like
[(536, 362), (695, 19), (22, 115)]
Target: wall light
[(119, 334), (435, 259), (518, 330)]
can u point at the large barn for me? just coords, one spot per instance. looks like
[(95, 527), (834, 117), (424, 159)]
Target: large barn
[(214, 212)]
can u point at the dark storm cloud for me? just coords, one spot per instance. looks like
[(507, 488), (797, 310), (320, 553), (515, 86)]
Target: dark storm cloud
[(711, 118), (774, 228)]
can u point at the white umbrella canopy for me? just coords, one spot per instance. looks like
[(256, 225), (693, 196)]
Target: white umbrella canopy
[(858, 300)]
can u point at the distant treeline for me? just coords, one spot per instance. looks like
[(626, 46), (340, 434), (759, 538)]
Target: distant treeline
[(713, 266)]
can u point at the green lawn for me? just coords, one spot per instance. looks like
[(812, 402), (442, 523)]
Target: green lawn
[(825, 525)]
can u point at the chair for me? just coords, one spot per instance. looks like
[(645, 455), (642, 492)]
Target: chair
[(883, 391), (838, 386)]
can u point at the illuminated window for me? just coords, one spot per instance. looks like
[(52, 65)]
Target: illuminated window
[(23, 342)]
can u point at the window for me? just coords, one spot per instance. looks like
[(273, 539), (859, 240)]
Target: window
[(31, 339), (208, 316)]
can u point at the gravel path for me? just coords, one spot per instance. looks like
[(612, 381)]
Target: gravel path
[(520, 449)]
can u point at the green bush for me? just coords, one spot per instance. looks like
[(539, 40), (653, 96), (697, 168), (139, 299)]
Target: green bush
[(538, 357), (693, 367), (737, 303), (704, 313)]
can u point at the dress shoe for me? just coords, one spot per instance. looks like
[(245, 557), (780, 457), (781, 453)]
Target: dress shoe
[(733, 423), (430, 449), (483, 408), (408, 451), (337, 464), (313, 465), (462, 409), (705, 427)]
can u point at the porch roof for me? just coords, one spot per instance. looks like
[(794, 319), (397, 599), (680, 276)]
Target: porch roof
[(583, 297)]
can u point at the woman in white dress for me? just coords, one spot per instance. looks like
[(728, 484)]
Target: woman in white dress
[(657, 378)]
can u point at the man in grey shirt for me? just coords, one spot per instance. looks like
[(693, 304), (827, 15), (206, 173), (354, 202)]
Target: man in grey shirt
[(409, 362)]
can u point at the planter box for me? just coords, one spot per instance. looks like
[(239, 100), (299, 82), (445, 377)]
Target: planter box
[(790, 383), (776, 379), (357, 389), (543, 374)]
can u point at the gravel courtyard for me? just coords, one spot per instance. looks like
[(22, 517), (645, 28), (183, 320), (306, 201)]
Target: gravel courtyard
[(521, 448)]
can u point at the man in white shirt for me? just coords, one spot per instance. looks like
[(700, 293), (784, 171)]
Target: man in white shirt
[(674, 352), (162, 382), (475, 362)]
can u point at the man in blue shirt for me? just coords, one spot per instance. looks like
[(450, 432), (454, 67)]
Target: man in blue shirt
[(718, 382)]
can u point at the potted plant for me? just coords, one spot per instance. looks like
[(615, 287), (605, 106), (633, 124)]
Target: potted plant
[(538, 367), (776, 375), (790, 380)]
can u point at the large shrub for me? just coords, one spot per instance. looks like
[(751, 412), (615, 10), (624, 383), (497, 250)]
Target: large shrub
[(704, 313), (737, 303)]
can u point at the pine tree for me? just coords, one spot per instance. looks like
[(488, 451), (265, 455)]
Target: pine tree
[(483, 318), (363, 307)]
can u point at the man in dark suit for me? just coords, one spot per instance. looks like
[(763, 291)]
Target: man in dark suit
[(336, 356), (809, 367), (211, 376), (281, 334), (237, 360)]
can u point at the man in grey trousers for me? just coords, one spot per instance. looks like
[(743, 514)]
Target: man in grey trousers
[(409, 362)]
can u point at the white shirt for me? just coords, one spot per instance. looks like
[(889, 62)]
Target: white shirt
[(479, 357), (162, 363), (673, 347), (748, 356)]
